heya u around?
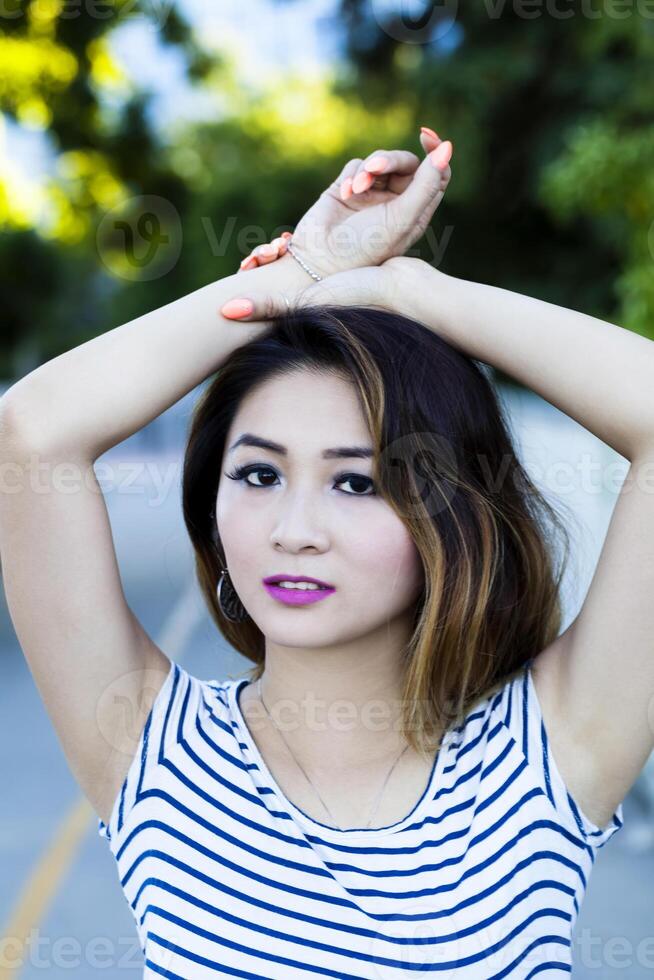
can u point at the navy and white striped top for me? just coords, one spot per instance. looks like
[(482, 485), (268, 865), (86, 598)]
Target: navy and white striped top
[(227, 878)]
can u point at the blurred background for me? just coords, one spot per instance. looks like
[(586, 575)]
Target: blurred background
[(145, 148)]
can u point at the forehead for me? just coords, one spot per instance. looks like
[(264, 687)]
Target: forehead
[(303, 409)]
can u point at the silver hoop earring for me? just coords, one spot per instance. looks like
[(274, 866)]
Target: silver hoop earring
[(230, 605)]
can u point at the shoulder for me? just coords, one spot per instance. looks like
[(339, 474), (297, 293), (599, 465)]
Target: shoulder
[(504, 744), (184, 711)]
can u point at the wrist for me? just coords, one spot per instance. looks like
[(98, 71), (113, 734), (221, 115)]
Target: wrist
[(284, 274), (295, 253), (423, 292)]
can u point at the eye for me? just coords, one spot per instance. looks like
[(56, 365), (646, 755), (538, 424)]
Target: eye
[(356, 478), (241, 472)]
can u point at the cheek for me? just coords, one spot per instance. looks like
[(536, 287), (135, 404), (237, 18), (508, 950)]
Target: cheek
[(237, 526), (385, 554)]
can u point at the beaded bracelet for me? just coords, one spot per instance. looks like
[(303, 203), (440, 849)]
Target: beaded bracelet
[(314, 275)]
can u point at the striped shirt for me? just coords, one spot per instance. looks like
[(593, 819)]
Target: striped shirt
[(227, 878)]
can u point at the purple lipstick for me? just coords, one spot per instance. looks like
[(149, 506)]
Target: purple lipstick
[(297, 597)]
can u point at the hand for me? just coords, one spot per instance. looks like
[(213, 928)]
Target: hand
[(371, 212), (377, 286)]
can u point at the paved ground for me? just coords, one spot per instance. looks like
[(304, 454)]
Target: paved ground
[(87, 928)]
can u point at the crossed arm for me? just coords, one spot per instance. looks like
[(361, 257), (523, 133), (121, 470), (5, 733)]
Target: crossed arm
[(599, 674)]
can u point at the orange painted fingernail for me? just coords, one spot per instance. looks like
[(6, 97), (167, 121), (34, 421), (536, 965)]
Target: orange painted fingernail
[(376, 165), (429, 132), (440, 157), (346, 189), (249, 262), (361, 182), (235, 308), (287, 234)]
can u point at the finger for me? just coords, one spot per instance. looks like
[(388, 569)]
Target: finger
[(249, 262), (440, 158), (284, 237), (385, 170), (391, 161), (282, 244), (342, 288), (429, 139), (425, 192), (349, 169), (266, 253), (393, 170), (258, 308), (346, 189), (255, 259), (262, 255)]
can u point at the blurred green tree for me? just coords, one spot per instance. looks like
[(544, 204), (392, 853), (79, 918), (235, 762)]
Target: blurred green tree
[(57, 75), (550, 107)]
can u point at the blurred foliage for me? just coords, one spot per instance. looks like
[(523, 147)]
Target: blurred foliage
[(57, 76), (549, 108)]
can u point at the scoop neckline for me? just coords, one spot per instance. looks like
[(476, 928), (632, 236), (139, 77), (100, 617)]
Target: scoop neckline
[(325, 830)]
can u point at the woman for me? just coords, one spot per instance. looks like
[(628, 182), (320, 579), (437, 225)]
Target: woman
[(420, 771)]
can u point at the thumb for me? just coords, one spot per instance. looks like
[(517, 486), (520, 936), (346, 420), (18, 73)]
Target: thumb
[(263, 306), (362, 286), (421, 197)]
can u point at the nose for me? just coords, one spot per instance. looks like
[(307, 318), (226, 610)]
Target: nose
[(298, 524)]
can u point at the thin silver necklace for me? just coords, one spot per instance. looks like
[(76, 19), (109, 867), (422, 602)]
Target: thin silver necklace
[(310, 781)]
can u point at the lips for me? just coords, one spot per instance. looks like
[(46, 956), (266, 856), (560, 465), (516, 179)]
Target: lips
[(273, 579), (297, 597)]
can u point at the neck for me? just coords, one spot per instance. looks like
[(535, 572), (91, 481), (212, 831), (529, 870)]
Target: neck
[(340, 707)]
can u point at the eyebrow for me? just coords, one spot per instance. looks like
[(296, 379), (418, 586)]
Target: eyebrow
[(339, 452)]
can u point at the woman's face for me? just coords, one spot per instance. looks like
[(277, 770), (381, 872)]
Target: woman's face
[(308, 515)]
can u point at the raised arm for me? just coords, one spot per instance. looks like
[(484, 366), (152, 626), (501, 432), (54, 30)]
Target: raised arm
[(90, 398), (599, 374), (596, 682), (87, 652), (95, 667)]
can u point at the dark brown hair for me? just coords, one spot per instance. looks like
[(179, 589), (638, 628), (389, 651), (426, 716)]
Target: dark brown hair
[(445, 463)]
